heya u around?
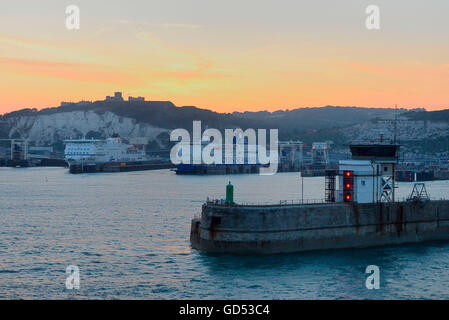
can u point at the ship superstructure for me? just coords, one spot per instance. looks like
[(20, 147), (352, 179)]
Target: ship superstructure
[(110, 155), (231, 160), (100, 151)]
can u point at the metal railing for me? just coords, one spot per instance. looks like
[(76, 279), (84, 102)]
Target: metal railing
[(407, 199), (221, 202)]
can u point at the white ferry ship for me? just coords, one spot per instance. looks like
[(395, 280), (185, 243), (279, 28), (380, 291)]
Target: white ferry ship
[(92, 155), (98, 151)]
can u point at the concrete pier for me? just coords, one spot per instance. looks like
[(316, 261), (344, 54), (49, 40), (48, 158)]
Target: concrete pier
[(292, 228)]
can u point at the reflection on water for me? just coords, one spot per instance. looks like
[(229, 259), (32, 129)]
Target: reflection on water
[(129, 235)]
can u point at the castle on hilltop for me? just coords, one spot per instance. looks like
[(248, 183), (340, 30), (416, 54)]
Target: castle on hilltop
[(117, 97)]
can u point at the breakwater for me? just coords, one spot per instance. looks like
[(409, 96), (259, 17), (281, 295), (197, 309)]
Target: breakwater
[(291, 228)]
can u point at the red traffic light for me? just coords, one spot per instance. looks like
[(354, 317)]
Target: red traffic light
[(348, 185)]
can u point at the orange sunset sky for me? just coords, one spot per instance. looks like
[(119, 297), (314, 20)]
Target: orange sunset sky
[(226, 55)]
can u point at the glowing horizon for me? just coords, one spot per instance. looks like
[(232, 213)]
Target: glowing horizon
[(230, 56)]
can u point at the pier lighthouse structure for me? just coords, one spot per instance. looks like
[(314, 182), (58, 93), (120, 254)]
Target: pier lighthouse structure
[(369, 177)]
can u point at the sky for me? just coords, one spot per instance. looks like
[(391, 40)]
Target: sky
[(233, 55)]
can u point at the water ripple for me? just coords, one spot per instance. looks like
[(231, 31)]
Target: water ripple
[(129, 236)]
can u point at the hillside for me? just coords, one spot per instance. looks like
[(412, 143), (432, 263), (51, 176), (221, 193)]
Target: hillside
[(151, 121), (165, 114), (437, 116), (73, 119)]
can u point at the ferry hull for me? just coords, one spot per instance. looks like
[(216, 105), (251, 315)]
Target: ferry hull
[(202, 169), (76, 168), (295, 228)]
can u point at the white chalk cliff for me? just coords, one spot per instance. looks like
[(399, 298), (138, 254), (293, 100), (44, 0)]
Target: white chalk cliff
[(50, 128)]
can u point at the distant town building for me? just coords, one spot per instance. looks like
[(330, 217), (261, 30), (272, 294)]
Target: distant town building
[(134, 99), (320, 155), (291, 152), (80, 103), (3, 152), (84, 103), (40, 150), (117, 97)]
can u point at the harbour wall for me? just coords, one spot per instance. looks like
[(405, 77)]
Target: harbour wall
[(292, 228)]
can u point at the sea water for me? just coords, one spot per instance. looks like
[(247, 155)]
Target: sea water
[(128, 235)]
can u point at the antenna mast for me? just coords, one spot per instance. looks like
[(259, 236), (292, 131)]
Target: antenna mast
[(395, 122)]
